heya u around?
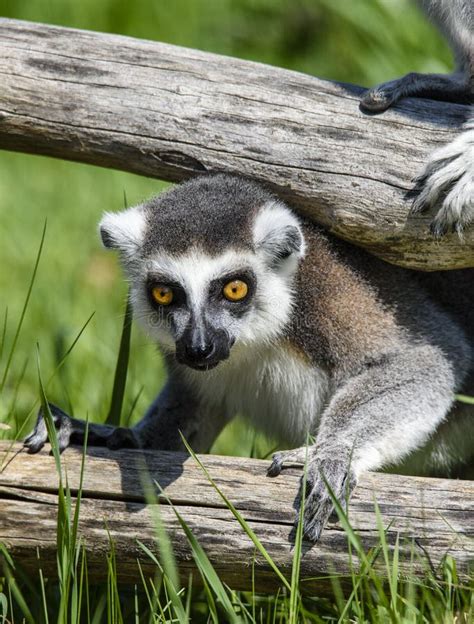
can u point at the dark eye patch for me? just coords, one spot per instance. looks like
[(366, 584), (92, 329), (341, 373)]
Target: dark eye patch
[(179, 294), (216, 287)]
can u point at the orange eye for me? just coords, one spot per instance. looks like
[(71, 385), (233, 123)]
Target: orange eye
[(235, 290), (162, 294)]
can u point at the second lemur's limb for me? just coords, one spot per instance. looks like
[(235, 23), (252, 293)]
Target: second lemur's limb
[(447, 181), (455, 19), (175, 411), (373, 420)]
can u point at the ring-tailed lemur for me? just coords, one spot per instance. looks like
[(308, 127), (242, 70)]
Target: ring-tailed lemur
[(261, 313), (447, 181)]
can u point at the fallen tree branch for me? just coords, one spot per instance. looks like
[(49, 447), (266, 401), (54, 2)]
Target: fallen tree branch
[(432, 516), (170, 112)]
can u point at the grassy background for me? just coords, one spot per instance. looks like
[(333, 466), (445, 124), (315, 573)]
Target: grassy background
[(365, 41)]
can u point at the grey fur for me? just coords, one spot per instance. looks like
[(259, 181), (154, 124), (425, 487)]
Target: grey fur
[(447, 181), (367, 358), (214, 216)]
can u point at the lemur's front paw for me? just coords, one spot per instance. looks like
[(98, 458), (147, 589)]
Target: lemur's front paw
[(66, 428), (447, 183), (72, 431), (318, 505)]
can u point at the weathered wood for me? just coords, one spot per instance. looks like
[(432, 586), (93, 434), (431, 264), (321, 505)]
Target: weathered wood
[(170, 112), (432, 516)]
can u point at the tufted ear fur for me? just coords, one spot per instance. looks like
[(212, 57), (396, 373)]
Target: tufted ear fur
[(124, 230), (277, 233)]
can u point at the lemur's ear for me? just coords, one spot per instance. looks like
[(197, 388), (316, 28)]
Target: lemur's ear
[(124, 230), (277, 233)]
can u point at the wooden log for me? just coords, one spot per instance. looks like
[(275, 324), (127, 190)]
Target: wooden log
[(432, 517), (171, 113)]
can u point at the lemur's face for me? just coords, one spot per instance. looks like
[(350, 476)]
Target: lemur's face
[(211, 266)]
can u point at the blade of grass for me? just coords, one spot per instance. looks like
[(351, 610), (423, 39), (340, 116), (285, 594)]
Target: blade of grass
[(8, 567), (128, 419), (114, 611), (23, 312), (4, 333), (239, 518), (465, 399), (295, 598), (3, 607), (68, 351), (67, 546), (392, 581), (168, 566), (121, 369), (43, 596), (189, 594), (175, 598), (211, 605), (167, 557), (203, 564), (354, 541), (55, 371)]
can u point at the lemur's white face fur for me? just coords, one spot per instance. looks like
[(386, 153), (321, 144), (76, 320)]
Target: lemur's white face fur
[(211, 266)]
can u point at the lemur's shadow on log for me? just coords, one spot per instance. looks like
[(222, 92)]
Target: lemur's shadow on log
[(145, 475)]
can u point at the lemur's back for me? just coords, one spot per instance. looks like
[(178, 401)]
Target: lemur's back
[(378, 307)]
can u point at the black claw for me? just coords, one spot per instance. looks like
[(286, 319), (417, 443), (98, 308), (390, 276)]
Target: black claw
[(313, 533), (28, 439), (274, 470), (438, 229), (34, 447)]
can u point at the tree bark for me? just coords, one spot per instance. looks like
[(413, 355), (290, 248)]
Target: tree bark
[(171, 113), (431, 517)]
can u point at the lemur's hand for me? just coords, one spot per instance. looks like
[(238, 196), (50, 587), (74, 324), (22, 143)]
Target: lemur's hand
[(318, 505), (447, 180), (72, 431)]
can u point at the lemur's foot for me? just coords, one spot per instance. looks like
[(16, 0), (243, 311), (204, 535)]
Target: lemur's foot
[(447, 184), (445, 87), (72, 431), (318, 505)]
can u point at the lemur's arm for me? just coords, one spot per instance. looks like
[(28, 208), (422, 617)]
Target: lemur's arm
[(447, 181), (373, 420), (174, 411)]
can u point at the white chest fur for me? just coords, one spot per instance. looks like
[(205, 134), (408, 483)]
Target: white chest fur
[(276, 389)]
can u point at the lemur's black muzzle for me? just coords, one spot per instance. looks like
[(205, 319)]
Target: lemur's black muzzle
[(203, 347)]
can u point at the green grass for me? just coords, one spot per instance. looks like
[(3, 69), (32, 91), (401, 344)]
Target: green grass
[(75, 309)]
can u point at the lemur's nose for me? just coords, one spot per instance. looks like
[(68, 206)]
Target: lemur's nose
[(200, 351)]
